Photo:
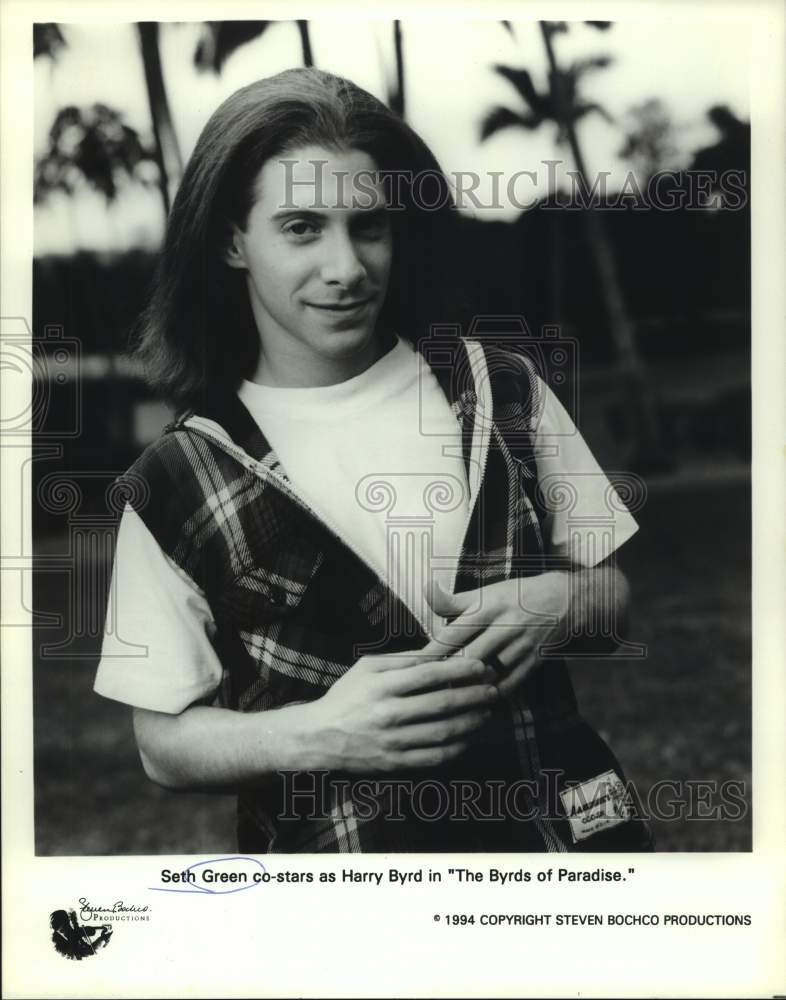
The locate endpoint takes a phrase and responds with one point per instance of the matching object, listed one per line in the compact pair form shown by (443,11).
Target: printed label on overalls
(595,805)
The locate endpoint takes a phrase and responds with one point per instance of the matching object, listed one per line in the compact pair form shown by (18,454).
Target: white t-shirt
(378,457)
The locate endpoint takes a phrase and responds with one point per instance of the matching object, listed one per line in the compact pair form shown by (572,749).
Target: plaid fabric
(295,607)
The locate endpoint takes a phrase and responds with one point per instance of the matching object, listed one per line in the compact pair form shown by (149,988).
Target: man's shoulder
(174,470)
(157,463)
(172,486)
(180,449)
(512,374)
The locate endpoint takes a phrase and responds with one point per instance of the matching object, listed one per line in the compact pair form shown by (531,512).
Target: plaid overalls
(295,606)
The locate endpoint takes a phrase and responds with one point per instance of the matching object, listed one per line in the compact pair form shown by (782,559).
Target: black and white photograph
(384,470)
(550,268)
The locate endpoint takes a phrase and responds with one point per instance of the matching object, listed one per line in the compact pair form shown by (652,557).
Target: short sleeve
(585,517)
(157,651)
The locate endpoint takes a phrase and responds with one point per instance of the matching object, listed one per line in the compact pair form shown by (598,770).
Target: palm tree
(219,40)
(94,146)
(305,43)
(106,144)
(562,105)
(167,148)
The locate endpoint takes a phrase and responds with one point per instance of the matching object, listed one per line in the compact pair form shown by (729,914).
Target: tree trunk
(168,158)
(647,452)
(397,98)
(305,43)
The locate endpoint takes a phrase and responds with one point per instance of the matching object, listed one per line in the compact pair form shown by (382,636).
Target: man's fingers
(431,757)
(438,704)
(382,662)
(441,732)
(439,674)
(454,636)
(449,605)
(507,645)
(515,678)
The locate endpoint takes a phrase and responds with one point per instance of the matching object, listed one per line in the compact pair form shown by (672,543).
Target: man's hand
(397,711)
(512,620)
(385,714)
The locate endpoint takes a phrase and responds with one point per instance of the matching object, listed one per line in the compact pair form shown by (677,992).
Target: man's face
(318,263)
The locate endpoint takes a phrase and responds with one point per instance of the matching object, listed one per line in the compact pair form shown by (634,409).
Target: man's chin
(345,336)
(352,349)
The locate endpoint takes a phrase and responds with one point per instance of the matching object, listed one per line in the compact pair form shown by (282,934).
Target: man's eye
(301,227)
(374,225)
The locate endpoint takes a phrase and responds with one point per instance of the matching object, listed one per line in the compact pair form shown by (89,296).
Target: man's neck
(293,371)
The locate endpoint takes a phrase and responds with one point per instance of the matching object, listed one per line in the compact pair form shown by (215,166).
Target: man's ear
(233,255)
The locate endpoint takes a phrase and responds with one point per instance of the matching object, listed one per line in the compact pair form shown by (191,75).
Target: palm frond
(47,40)
(581,66)
(554,27)
(522,81)
(221,38)
(500,118)
(600,110)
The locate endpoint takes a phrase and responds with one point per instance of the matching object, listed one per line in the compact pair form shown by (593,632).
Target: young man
(324,554)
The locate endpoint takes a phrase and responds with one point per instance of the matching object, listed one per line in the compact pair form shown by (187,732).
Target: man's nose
(342,264)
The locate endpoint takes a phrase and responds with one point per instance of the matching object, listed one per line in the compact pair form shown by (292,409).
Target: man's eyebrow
(284,213)
(377,211)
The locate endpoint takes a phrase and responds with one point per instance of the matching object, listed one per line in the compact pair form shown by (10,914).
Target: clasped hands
(505,624)
(393,712)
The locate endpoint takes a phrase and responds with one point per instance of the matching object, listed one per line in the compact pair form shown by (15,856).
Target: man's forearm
(598,609)
(219,749)
(387,713)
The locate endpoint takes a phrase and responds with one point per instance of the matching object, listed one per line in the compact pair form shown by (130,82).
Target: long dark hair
(198,332)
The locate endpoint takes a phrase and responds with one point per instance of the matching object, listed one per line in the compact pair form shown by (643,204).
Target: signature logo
(88,911)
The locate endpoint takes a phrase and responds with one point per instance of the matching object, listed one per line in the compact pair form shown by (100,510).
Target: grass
(681,714)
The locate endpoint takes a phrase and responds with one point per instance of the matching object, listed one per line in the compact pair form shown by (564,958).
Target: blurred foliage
(649,138)
(48,40)
(562,26)
(563,104)
(732,151)
(560,103)
(93,145)
(220,39)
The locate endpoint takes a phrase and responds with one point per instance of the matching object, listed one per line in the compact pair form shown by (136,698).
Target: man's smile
(341,307)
